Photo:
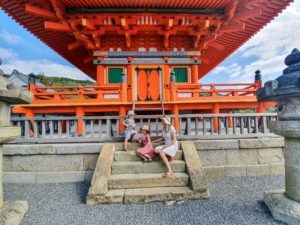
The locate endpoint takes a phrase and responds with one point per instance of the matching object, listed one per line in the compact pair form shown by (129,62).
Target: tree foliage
(62,81)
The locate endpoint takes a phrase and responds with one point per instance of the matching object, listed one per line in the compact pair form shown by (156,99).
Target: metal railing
(106,128)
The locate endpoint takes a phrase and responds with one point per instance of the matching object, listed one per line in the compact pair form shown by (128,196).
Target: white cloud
(266,50)
(11,61)
(10,38)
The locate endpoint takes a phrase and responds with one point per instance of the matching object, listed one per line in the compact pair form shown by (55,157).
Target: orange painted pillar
(195,72)
(122,114)
(123,87)
(216,110)
(129,79)
(166,81)
(230,120)
(261,108)
(100,73)
(79,115)
(29,114)
(172,87)
(175,112)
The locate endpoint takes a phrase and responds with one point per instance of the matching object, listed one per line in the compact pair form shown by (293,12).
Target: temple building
(145,55)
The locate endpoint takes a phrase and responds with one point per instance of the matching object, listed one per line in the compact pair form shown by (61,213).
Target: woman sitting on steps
(171,145)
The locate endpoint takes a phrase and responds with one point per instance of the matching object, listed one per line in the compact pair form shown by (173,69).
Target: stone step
(132,156)
(132,146)
(135,167)
(143,180)
(158,194)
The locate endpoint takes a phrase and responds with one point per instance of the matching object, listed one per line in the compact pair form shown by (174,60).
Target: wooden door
(148,85)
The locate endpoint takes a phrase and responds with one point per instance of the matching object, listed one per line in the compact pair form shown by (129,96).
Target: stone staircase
(121,177)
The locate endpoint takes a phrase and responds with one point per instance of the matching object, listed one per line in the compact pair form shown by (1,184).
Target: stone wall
(49,163)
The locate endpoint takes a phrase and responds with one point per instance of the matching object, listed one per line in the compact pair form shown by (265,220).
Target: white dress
(171,150)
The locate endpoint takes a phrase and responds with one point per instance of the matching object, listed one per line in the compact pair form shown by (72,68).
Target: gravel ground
(233,201)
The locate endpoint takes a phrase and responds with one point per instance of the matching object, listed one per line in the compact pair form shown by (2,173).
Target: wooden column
(216,110)
(172,87)
(129,79)
(79,115)
(123,87)
(195,72)
(230,120)
(166,81)
(175,112)
(122,114)
(29,114)
(100,73)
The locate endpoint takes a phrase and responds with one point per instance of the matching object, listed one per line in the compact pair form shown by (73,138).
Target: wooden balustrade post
(172,86)
(122,114)
(79,115)
(123,87)
(175,112)
(216,110)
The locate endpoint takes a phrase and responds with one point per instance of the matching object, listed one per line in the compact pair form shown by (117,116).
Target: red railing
(59,94)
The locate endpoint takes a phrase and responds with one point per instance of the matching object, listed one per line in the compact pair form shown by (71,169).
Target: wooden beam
(216,45)
(88,60)
(56,26)
(124,24)
(232,28)
(88,24)
(247,13)
(74,45)
(32,10)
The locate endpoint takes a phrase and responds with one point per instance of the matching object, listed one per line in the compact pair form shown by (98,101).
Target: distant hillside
(62,81)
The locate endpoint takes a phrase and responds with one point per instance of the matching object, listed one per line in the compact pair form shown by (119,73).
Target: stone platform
(59,163)
(120,177)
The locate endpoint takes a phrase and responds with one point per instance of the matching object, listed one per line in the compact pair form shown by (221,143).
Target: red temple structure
(144,54)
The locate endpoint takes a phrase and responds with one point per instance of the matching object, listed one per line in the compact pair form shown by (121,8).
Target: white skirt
(170,151)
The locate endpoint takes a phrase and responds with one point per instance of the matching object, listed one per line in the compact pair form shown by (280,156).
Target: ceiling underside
(252,14)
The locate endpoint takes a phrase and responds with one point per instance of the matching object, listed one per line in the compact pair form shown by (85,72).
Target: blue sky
(266,51)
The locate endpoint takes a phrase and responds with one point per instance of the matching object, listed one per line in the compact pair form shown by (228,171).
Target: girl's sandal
(168,174)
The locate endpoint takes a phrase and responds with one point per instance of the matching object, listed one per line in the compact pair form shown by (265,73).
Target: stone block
(216,144)
(36,149)
(7,164)
(194,166)
(19,177)
(277,168)
(261,143)
(89,161)
(270,155)
(213,157)
(28,149)
(259,170)
(144,195)
(120,181)
(13,212)
(102,172)
(60,177)
(215,172)
(111,197)
(235,171)
(47,163)
(134,167)
(78,148)
(242,157)
(88,175)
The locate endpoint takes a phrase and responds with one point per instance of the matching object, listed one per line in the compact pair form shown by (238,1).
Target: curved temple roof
(73,30)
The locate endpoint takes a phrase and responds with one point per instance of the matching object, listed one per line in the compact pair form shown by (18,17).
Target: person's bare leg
(166,161)
(125,145)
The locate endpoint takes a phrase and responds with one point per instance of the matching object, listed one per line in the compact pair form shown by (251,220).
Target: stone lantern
(11,212)
(285,90)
